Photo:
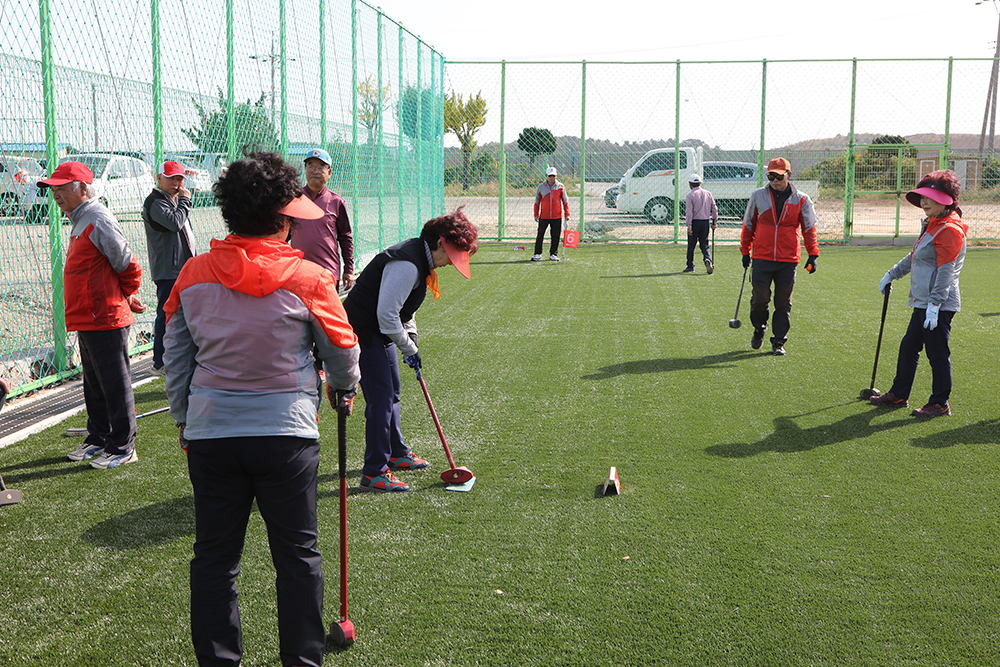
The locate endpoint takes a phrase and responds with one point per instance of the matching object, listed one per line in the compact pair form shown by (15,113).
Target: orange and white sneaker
(385,483)
(933,410)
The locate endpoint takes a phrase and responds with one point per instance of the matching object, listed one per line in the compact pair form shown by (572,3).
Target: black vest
(362,302)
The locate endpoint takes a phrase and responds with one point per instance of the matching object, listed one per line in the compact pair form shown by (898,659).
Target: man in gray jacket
(169,242)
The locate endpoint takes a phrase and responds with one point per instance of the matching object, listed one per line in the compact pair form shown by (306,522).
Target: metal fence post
(60,356)
(677,152)
(378,148)
(354,124)
(420,132)
(502,166)
(850,164)
(399,139)
(322,74)
(946,149)
(583,144)
(763,121)
(231,153)
(284,77)
(157,83)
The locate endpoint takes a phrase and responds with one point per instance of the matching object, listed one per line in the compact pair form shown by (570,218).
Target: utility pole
(990,115)
(271,57)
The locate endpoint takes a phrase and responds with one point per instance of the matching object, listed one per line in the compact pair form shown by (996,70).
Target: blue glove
(931,318)
(810,266)
(885,281)
(746,261)
(342,400)
(413,361)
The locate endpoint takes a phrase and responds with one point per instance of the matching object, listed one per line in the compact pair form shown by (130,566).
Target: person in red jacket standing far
(100,281)
(774,216)
(551,206)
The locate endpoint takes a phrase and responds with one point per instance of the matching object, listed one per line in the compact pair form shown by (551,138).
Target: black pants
(227,474)
(555,224)
(698,236)
(107,390)
(935,343)
(163,288)
(782,274)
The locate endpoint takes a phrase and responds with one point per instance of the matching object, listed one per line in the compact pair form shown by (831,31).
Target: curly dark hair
(252,191)
(454,228)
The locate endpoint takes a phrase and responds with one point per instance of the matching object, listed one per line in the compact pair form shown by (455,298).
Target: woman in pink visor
(381,308)
(934,265)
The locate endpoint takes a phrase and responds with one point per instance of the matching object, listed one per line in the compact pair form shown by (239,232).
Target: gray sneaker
(85,451)
(106,460)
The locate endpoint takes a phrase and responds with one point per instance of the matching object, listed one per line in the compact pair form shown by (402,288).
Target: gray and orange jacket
(548,201)
(100,273)
(935,263)
(242,323)
(778,240)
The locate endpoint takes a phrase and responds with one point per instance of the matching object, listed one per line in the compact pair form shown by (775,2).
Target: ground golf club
(456,475)
(872,391)
(342,631)
(735,322)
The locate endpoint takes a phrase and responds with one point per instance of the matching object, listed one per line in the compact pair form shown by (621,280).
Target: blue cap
(321,155)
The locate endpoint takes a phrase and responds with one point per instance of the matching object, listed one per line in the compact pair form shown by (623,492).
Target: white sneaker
(160,372)
(536,258)
(84,452)
(554,258)
(105,460)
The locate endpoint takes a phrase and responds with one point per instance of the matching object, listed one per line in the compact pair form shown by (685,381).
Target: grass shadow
(724,360)
(789,438)
(989,314)
(46,472)
(986,432)
(154,524)
(647,275)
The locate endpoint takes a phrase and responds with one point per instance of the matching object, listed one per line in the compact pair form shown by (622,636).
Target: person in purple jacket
(701,211)
(319,239)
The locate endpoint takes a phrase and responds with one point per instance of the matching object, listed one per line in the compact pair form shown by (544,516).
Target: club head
(869,393)
(735,324)
(342,633)
(459,475)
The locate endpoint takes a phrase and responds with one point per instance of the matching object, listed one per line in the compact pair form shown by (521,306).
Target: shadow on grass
(154,524)
(724,360)
(989,314)
(789,438)
(47,471)
(986,432)
(647,275)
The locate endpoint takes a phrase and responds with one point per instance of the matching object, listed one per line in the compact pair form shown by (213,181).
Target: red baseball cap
(460,258)
(68,172)
(779,165)
(170,169)
(303,208)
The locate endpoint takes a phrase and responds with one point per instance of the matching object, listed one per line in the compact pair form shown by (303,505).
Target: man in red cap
(100,281)
(166,214)
(771,224)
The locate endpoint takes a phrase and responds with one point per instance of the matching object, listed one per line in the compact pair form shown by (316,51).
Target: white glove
(885,281)
(931,319)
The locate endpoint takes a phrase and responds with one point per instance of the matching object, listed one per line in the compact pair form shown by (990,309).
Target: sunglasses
(771,176)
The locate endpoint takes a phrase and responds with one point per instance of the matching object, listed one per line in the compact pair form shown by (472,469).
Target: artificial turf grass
(768,516)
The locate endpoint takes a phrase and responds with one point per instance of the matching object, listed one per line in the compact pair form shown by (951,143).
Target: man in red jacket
(100,281)
(774,216)
(551,207)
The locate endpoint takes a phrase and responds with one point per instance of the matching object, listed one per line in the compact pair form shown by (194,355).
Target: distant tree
(406,109)
(253,129)
(464,120)
(536,141)
(370,104)
(891,152)
(484,168)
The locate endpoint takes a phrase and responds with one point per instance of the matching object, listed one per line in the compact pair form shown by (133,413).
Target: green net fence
(122,86)
(858,133)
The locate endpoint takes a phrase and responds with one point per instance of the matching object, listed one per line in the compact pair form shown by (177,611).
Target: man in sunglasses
(774,216)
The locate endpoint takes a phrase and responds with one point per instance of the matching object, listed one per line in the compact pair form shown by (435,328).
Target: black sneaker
(709,267)
(778,349)
(758,339)
(689,269)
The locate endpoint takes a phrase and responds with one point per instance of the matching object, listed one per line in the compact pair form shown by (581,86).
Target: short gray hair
(88,188)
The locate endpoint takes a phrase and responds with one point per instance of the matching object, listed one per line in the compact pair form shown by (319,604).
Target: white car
(19,196)
(121,183)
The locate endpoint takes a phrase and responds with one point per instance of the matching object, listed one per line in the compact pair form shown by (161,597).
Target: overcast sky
(705,30)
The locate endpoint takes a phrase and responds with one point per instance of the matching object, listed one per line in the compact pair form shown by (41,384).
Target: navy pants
(227,475)
(554,224)
(935,343)
(698,236)
(163,289)
(107,389)
(380,385)
(782,274)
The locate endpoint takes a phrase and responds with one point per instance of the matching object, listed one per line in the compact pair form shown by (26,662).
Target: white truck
(648,187)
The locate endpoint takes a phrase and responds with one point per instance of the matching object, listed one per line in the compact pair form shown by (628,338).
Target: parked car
(121,183)
(611,195)
(19,196)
